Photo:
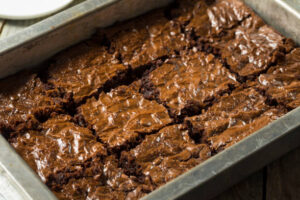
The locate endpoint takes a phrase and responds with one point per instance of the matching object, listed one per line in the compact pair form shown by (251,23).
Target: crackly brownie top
(166,154)
(24,96)
(103,179)
(189,83)
(84,70)
(232,118)
(282,81)
(146,39)
(59,147)
(119,116)
(212,19)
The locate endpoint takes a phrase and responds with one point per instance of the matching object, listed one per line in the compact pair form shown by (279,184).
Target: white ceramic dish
(29,9)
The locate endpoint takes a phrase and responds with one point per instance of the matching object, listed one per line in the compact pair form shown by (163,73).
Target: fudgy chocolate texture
(24,100)
(188,84)
(85,69)
(282,82)
(121,116)
(166,154)
(233,118)
(146,39)
(57,149)
(252,51)
(141,102)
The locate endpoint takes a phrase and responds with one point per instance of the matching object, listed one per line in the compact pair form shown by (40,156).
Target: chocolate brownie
(24,100)
(147,38)
(282,82)
(57,149)
(233,118)
(121,116)
(84,74)
(250,52)
(211,20)
(102,179)
(189,83)
(166,154)
(240,37)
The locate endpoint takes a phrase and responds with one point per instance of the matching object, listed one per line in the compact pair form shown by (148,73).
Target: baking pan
(42,40)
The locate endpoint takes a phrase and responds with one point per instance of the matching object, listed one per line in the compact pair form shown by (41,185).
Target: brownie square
(24,100)
(85,74)
(212,18)
(233,118)
(282,82)
(165,155)
(145,39)
(107,181)
(188,84)
(121,116)
(251,52)
(58,150)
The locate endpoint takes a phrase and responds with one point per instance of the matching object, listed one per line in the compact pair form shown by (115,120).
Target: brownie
(145,39)
(121,116)
(70,146)
(211,18)
(24,100)
(166,154)
(233,118)
(251,52)
(85,69)
(282,82)
(242,39)
(103,179)
(188,84)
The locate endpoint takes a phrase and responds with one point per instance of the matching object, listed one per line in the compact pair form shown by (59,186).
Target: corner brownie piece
(23,97)
(58,150)
(282,82)
(231,29)
(252,51)
(145,39)
(85,69)
(234,117)
(189,83)
(165,155)
(121,116)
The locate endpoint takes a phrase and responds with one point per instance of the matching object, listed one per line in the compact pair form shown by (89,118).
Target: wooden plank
(283,177)
(249,189)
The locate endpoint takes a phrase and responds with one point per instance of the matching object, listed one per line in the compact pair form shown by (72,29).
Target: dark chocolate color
(143,101)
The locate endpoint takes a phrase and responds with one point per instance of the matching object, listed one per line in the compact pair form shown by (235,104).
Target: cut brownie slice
(231,29)
(165,155)
(145,39)
(59,150)
(282,82)
(231,119)
(84,74)
(122,115)
(189,83)
(23,99)
(102,180)
(251,52)
(211,19)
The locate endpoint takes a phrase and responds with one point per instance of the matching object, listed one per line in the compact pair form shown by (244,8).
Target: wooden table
(278,181)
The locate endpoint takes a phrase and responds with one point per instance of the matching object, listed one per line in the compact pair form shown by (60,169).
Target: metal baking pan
(42,40)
